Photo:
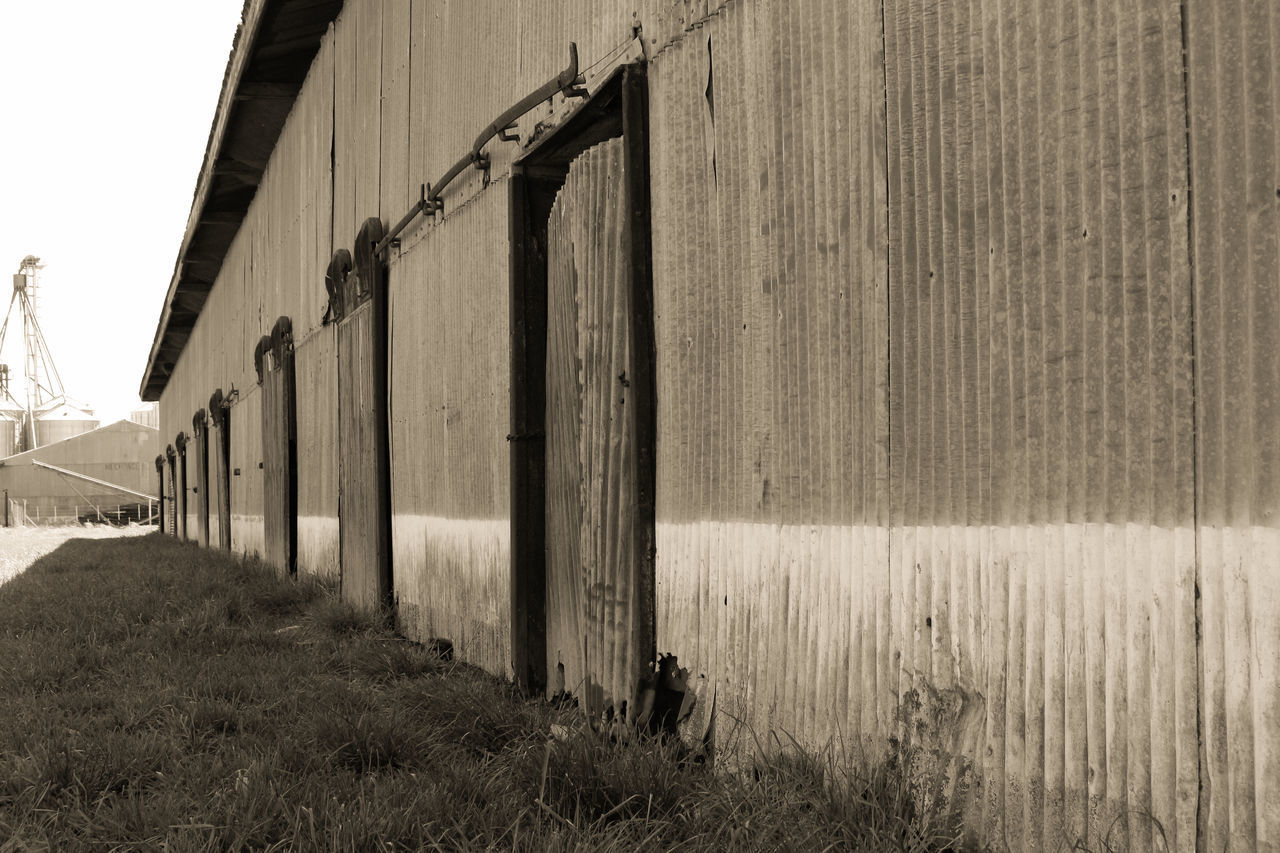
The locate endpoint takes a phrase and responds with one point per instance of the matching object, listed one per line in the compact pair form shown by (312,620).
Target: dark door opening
(220,445)
(200,444)
(273,359)
(583,404)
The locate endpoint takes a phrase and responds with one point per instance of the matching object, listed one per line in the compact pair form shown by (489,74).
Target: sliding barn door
(593,557)
(182,487)
(220,449)
(200,450)
(358,303)
(279,447)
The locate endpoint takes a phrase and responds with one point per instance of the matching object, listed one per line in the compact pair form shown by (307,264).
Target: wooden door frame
(619,108)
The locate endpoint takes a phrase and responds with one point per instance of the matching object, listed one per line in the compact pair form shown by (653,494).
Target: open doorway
(273,359)
(583,404)
(219,445)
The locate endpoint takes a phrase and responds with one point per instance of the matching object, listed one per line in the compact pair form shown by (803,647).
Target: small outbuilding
(106,474)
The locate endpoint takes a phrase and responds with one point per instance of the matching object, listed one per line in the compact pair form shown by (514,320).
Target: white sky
(105,109)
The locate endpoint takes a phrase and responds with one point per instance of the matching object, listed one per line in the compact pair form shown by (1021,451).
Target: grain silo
(9,426)
(63,421)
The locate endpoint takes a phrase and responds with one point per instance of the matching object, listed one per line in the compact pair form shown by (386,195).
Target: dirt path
(22,546)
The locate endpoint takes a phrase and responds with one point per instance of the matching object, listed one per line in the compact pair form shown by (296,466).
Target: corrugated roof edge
(242,47)
(250,17)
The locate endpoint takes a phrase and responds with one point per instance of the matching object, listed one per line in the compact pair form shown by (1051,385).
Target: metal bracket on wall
(568,82)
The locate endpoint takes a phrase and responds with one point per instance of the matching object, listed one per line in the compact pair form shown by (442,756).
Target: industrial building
(103,475)
(847,351)
(41,412)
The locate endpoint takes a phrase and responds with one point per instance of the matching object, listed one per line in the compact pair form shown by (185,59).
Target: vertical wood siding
(276,266)
(1235,180)
(591,496)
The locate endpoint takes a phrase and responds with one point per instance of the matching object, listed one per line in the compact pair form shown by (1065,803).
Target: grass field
(154,695)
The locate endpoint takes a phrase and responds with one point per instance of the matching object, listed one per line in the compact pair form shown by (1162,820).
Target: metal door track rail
(568,82)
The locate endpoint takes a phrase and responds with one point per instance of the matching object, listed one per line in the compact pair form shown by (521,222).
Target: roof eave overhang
(270,57)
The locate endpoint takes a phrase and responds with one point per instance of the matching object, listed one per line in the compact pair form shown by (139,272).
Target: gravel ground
(22,546)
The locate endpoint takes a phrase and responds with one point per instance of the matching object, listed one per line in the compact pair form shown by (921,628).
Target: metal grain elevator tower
(43,391)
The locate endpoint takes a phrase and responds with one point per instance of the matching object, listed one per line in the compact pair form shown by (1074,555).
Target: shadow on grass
(159,695)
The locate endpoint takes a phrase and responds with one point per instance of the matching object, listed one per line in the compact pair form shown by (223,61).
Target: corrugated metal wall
(315,361)
(954,230)
(769,293)
(1043,546)
(1235,179)
(276,266)
(449,392)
